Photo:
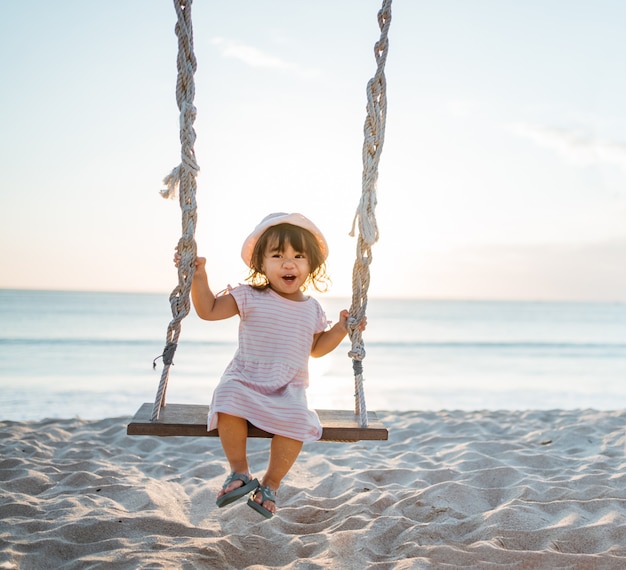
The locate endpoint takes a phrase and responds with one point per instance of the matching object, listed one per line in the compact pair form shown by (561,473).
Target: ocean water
(89,355)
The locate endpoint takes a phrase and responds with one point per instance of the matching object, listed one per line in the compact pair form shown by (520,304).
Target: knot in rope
(167,356)
(357,353)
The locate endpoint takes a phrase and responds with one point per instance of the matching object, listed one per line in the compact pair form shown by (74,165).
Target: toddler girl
(280,327)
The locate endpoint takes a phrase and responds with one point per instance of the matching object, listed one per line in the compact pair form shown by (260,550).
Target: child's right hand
(200,262)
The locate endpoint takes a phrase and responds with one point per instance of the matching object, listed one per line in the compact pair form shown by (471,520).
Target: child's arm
(327,341)
(207,305)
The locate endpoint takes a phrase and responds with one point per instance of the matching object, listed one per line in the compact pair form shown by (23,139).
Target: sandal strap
(267,493)
(243,477)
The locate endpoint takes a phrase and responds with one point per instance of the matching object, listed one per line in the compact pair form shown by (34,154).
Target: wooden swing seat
(191,420)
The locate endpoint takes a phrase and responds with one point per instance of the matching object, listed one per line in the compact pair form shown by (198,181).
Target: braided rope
(374,131)
(182,179)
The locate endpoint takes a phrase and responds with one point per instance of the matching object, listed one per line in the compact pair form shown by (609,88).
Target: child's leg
(233,433)
(283,454)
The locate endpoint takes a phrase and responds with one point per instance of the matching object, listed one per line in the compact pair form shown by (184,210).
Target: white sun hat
(281,218)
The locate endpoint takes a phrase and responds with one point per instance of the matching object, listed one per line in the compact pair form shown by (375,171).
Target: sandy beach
(494,489)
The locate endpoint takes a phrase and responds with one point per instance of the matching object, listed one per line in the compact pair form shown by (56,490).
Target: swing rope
(374,131)
(182,179)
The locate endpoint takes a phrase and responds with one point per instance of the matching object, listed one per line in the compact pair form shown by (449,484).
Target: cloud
(574,145)
(258,59)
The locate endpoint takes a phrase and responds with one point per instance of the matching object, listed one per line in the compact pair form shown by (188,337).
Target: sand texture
(515,490)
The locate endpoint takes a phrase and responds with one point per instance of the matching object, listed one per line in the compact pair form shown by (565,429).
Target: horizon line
(347,296)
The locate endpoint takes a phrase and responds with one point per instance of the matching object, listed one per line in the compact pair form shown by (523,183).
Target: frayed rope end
(172,183)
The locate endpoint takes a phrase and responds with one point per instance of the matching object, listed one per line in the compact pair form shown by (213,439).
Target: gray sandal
(267,494)
(248,485)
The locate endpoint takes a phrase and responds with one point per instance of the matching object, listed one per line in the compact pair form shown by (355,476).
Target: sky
(503,173)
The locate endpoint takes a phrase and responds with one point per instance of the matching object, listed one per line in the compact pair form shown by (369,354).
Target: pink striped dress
(267,379)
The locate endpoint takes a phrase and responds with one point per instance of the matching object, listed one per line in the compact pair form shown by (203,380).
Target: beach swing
(159,419)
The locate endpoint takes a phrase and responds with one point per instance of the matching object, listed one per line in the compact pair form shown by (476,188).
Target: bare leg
(233,433)
(283,454)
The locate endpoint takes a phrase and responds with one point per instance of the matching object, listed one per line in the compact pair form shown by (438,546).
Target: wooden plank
(191,420)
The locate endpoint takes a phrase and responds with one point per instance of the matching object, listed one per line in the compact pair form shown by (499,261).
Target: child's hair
(301,240)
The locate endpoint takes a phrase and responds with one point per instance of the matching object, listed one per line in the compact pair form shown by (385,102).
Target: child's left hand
(345,315)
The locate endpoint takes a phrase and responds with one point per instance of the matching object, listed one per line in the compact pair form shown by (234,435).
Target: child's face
(286,270)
